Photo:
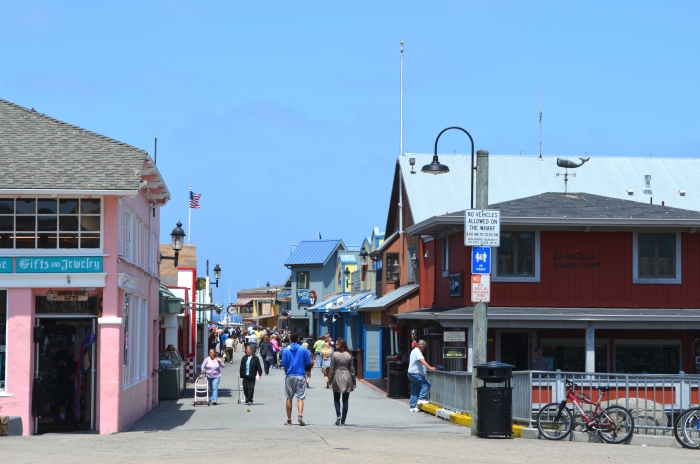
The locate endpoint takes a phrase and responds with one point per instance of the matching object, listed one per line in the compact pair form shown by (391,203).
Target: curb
(635,440)
(462,419)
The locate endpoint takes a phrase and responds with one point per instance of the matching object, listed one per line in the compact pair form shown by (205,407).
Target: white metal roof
(512,177)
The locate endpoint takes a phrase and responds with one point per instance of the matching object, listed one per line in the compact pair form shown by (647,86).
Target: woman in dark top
(249,371)
(267,353)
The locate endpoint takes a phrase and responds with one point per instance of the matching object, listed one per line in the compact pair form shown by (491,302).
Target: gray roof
(388,299)
(512,177)
(43,153)
(558,209)
(313,252)
(559,314)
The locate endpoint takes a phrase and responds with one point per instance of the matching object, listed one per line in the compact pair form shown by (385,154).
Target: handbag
(269,358)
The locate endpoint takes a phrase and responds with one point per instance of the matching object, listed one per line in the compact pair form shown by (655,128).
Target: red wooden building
(600,284)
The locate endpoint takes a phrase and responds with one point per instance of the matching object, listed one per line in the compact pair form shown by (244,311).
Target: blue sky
(285,115)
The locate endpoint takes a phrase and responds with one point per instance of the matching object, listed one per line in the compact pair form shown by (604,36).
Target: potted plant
(4,420)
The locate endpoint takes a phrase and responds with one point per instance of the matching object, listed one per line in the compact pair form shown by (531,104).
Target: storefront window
(127,304)
(572,357)
(49,223)
(657,255)
(516,255)
(303,280)
(644,358)
(3,335)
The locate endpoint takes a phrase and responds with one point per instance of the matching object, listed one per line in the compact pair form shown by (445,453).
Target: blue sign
(59,264)
(481,260)
(306,297)
(5,265)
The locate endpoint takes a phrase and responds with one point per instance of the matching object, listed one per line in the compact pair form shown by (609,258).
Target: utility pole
(480,309)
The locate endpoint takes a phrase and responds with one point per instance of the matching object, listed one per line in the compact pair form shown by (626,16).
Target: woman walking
(266,353)
(211,368)
(326,352)
(341,377)
(275,350)
(250,371)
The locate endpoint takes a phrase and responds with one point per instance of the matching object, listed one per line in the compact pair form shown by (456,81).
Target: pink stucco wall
(116,407)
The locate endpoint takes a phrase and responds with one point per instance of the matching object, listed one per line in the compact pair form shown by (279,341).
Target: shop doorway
(65,367)
(515,348)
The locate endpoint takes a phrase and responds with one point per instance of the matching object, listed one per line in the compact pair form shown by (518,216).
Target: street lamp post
(178,240)
(217,274)
(436,168)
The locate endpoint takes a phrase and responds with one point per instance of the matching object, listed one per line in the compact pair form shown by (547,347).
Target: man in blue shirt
(294,360)
(222,342)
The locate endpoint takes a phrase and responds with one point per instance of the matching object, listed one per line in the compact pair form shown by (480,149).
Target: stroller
(241,393)
(201,391)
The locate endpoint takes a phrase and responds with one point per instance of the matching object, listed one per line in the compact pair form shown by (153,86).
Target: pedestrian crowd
(270,348)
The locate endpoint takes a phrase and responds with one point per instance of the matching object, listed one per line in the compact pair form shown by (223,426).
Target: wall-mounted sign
(456,284)
(375,317)
(284,294)
(306,297)
(481,288)
(59,264)
(453,336)
(5,265)
(482,227)
(67,295)
(454,352)
(481,260)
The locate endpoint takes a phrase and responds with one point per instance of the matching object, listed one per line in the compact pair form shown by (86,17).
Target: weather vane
(567,164)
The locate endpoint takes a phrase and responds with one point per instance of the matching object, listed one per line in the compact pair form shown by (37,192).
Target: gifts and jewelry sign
(481,288)
(58,264)
(482,227)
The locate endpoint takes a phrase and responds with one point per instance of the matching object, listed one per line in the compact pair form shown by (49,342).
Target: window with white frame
(656,258)
(50,223)
(144,338)
(127,352)
(3,338)
(128,235)
(136,337)
(518,257)
(120,238)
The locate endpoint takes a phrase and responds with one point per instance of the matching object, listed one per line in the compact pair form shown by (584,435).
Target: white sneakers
(413,409)
(422,402)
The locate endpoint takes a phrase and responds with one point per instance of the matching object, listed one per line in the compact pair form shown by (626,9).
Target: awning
(241,302)
(255,318)
(388,299)
(557,317)
(328,302)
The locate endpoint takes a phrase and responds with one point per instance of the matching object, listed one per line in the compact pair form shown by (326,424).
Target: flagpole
(189,217)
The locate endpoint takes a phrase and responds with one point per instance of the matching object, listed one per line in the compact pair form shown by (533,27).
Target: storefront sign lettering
(573,260)
(453,336)
(67,295)
(306,297)
(5,265)
(59,264)
(454,352)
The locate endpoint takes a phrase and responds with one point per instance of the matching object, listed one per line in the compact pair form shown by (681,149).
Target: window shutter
(120,239)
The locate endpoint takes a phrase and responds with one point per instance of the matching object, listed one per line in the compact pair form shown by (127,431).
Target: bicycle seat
(604,389)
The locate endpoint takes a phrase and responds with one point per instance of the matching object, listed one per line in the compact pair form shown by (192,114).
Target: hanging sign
(482,227)
(481,260)
(453,336)
(454,352)
(67,295)
(481,288)
(306,297)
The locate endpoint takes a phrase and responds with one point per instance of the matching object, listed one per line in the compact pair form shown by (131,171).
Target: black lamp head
(435,167)
(178,237)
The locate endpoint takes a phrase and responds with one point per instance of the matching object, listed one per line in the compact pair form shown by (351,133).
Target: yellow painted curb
(461,419)
(518,430)
(430,408)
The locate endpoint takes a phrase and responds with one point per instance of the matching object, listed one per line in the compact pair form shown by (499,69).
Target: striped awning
(241,302)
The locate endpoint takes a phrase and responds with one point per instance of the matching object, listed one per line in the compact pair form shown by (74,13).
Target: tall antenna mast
(541,125)
(401,105)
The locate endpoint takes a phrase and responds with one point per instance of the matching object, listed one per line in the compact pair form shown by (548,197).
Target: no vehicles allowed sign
(482,227)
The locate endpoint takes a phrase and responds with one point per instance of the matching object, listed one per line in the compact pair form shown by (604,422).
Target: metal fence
(655,401)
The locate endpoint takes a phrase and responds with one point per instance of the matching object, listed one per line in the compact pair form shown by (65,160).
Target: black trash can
(495,403)
(398,380)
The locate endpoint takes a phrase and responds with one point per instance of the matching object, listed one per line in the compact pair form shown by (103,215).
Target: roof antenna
(540,158)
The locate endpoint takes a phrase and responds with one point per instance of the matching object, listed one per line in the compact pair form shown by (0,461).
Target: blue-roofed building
(313,264)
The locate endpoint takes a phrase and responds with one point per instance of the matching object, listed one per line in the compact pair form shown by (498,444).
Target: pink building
(79,281)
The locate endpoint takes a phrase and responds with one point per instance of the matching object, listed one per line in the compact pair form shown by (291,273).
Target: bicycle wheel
(554,424)
(687,429)
(616,424)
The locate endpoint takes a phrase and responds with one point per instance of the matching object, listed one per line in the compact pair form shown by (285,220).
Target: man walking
(420,385)
(294,360)
(230,342)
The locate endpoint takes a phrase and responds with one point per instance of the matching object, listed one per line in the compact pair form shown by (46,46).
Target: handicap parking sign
(481,260)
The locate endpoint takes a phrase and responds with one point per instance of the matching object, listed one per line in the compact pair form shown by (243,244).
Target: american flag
(194,199)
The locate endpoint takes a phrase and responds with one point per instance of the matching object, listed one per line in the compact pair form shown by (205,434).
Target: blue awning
(347,304)
(327,303)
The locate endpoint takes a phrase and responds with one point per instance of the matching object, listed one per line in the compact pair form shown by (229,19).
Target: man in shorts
(294,360)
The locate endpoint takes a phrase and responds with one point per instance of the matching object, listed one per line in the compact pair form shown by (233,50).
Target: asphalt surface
(378,429)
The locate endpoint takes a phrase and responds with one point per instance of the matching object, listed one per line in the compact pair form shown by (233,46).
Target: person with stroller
(211,369)
(250,371)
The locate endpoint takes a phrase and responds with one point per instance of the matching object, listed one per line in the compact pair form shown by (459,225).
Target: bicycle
(614,424)
(686,429)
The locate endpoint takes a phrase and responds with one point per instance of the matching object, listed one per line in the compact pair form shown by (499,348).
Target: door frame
(531,342)
(372,374)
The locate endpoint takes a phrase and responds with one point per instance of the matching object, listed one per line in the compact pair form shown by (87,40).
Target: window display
(643,358)
(572,358)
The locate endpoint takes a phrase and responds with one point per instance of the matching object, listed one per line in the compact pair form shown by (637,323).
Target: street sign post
(481,288)
(481,260)
(482,227)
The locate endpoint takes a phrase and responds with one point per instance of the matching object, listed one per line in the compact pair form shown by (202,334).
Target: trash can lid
(495,365)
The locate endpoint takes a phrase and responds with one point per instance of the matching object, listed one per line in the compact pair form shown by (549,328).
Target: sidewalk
(368,408)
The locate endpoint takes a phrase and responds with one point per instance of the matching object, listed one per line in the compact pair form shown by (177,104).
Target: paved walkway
(379,430)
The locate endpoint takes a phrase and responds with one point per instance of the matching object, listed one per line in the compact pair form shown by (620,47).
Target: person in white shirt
(229,349)
(420,386)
